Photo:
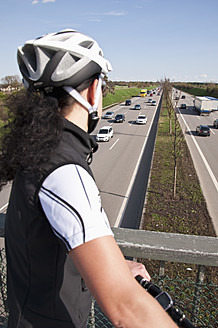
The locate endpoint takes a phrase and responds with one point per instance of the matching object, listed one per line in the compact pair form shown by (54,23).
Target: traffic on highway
(122,134)
(116,162)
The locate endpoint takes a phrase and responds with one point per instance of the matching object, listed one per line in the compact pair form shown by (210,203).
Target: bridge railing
(196,298)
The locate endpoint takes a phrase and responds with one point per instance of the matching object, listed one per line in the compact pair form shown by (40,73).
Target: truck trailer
(214,103)
(205,105)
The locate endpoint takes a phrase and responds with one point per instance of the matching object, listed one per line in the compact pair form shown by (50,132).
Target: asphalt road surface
(116,163)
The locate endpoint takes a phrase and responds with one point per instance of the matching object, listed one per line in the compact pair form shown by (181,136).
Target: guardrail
(197,299)
(171,247)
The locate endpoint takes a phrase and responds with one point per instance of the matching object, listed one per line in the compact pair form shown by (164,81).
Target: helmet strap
(93,114)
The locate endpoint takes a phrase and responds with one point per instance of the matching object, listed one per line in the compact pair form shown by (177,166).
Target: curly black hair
(33,130)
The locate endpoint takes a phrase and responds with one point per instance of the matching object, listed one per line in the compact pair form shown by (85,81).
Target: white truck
(205,105)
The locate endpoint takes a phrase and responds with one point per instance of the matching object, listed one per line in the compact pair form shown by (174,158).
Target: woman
(59,246)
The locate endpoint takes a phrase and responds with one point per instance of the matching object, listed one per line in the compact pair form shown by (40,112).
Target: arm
(99,260)
(106,273)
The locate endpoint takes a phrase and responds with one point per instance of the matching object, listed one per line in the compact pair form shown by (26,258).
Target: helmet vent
(62,36)
(75,58)
(30,55)
(49,53)
(86,44)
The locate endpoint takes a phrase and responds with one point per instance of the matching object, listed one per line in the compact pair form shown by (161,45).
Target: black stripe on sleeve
(69,207)
(83,186)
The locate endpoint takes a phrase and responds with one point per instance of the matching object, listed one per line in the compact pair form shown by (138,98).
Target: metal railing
(197,298)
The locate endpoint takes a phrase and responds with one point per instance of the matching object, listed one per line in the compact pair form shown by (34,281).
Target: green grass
(2,95)
(196,91)
(1,129)
(204,90)
(121,95)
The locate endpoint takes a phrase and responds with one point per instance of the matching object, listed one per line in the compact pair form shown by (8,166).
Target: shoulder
(73,184)
(69,177)
(72,204)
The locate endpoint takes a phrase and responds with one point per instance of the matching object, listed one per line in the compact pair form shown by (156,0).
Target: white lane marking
(3,207)
(133,177)
(114,144)
(202,155)
(212,131)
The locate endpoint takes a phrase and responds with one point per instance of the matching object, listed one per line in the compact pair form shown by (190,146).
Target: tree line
(12,81)
(207,89)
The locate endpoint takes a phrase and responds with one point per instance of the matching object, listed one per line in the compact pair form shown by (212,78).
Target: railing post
(162,268)
(197,293)
(161,273)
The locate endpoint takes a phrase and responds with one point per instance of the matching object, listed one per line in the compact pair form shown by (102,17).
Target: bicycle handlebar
(166,302)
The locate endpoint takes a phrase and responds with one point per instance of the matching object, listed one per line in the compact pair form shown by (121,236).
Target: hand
(138,269)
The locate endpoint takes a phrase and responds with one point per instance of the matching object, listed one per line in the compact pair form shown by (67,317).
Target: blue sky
(145,40)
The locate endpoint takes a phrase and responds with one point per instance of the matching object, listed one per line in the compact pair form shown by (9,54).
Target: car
(153,103)
(177,98)
(105,133)
(137,106)
(158,93)
(119,118)
(215,123)
(109,115)
(183,106)
(151,94)
(141,119)
(128,102)
(183,97)
(203,130)
(149,100)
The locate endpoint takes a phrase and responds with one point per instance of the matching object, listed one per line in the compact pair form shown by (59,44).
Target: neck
(78,115)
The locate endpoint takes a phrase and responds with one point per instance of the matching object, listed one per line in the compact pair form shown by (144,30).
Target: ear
(91,92)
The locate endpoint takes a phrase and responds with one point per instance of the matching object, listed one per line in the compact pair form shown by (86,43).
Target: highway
(203,151)
(116,163)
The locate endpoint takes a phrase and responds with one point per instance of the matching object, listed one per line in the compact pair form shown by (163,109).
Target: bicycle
(166,302)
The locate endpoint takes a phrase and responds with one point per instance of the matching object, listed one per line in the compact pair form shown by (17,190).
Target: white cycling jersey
(71,202)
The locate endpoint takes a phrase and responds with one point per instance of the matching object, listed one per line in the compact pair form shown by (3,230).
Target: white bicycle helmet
(65,58)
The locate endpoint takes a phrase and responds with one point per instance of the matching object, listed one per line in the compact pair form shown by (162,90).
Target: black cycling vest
(45,289)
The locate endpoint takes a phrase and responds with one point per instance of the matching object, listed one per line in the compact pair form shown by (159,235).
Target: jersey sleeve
(71,202)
